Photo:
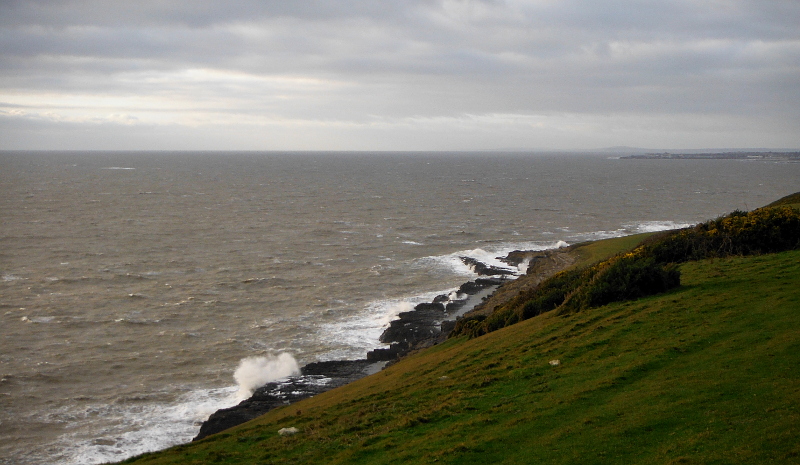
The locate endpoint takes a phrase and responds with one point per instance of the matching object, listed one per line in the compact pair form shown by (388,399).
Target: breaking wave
(254,372)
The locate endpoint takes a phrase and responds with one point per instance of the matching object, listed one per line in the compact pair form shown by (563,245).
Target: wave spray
(254,372)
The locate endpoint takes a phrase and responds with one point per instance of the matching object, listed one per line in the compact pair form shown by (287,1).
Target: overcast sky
(399,75)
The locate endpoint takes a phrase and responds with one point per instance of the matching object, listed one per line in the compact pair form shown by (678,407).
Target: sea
(134,284)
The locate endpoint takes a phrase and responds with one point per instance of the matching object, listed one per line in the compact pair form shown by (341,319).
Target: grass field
(706,373)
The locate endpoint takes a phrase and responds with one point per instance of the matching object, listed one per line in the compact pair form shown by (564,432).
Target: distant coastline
(768,156)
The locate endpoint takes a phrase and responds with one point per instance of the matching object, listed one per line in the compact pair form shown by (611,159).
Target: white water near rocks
(134,283)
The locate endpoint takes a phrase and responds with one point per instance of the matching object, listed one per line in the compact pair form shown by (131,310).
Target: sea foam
(489,255)
(254,372)
(135,428)
(359,333)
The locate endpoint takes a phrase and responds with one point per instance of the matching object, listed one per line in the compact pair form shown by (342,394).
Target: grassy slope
(792,200)
(517,292)
(590,253)
(707,373)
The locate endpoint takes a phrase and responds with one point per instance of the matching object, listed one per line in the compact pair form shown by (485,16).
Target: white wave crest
(129,429)
(452,262)
(654,226)
(359,333)
(393,312)
(254,372)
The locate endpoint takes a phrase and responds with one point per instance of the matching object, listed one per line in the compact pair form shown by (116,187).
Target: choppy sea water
(132,284)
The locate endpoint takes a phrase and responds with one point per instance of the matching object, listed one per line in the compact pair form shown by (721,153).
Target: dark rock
(483,269)
(423,307)
(423,327)
(454,305)
(470,287)
(409,332)
(474,287)
(489,282)
(315,378)
(447,326)
(536,261)
(411,327)
(393,352)
(226,418)
(516,257)
(335,368)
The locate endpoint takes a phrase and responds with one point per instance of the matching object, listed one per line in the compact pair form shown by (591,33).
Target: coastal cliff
(702,373)
(427,325)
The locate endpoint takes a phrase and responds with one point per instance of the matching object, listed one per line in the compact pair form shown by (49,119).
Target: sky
(399,75)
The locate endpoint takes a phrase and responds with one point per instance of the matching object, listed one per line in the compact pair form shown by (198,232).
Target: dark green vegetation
(792,200)
(706,372)
(650,268)
(589,253)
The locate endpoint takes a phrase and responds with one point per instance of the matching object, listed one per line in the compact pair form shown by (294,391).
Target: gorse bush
(650,268)
(544,298)
(766,230)
(553,294)
(625,278)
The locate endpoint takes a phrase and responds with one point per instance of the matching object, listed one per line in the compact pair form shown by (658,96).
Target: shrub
(471,326)
(765,230)
(650,268)
(551,293)
(626,278)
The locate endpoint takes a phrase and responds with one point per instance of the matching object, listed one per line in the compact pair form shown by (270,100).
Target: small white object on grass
(555,363)
(288,431)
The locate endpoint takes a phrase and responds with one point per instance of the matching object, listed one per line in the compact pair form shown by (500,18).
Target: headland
(701,373)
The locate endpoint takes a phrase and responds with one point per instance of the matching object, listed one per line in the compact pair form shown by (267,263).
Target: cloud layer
(403,75)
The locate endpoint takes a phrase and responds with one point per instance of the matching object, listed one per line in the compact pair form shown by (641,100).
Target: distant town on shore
(771,156)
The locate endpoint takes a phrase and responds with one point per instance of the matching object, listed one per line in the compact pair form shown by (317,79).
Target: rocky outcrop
(428,324)
(313,379)
(473,287)
(410,327)
(541,265)
(482,269)
(516,257)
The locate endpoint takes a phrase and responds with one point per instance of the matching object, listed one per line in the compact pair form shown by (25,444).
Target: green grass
(515,293)
(706,373)
(792,200)
(590,253)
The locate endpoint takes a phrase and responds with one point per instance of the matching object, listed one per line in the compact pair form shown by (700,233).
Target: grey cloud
(394,60)
(309,29)
(197,13)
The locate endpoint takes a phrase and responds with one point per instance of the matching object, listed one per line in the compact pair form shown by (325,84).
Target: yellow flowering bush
(650,268)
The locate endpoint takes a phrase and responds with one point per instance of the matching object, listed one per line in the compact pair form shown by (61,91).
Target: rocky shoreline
(427,325)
